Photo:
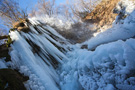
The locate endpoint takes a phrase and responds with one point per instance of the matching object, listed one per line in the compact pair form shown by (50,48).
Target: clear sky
(27,3)
(60,1)
(30,3)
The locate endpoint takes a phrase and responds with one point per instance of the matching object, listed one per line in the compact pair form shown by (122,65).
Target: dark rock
(84,47)
(11,80)
(4,52)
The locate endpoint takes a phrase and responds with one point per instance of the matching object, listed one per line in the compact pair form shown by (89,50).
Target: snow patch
(2,63)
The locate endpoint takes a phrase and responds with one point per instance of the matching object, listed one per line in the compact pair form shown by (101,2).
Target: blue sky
(31,3)
(60,1)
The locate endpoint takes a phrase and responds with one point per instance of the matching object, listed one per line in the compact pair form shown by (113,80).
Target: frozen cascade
(53,64)
(37,54)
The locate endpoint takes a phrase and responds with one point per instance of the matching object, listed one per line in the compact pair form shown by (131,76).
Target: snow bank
(2,63)
(121,31)
(109,67)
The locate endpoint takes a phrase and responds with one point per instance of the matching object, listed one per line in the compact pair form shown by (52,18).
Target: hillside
(103,14)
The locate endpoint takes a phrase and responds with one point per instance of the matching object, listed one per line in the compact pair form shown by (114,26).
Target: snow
(121,31)
(103,69)
(111,65)
(52,63)
(109,87)
(129,4)
(57,20)
(2,63)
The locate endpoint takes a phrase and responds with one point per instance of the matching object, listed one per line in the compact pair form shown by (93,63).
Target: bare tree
(63,10)
(46,7)
(32,12)
(10,12)
(82,7)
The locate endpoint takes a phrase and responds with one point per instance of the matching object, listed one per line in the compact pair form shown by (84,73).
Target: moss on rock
(9,41)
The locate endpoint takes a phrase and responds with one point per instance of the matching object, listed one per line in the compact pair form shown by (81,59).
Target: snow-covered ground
(109,67)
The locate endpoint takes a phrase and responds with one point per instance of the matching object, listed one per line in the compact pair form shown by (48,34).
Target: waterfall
(104,62)
(37,54)
(52,63)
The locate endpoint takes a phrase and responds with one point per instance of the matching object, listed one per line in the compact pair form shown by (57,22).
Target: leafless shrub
(32,12)
(82,7)
(10,12)
(46,7)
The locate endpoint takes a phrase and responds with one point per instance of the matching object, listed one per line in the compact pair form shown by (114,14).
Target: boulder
(11,80)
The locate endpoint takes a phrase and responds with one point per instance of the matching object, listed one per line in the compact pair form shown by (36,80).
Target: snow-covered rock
(109,67)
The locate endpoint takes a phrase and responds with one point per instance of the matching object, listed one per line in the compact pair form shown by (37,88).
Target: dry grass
(103,13)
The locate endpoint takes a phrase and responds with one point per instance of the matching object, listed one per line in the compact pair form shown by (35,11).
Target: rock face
(11,80)
(103,13)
